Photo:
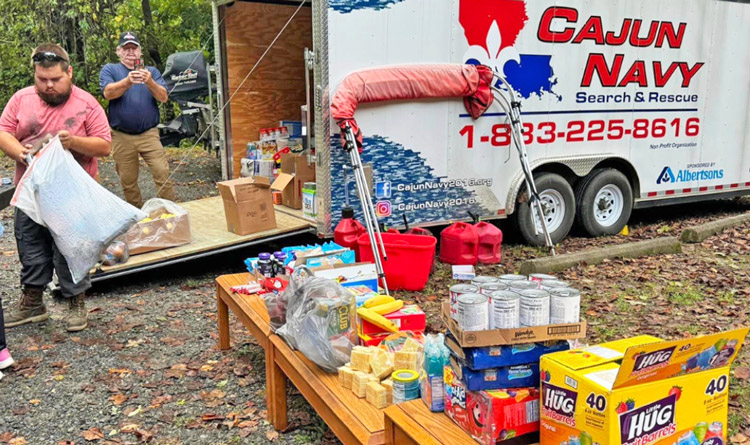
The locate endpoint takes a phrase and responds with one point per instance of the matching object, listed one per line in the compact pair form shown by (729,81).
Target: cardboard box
(408,318)
(501,356)
(295,171)
(641,391)
(497,337)
(248,205)
(517,376)
(350,275)
(508,416)
(158,234)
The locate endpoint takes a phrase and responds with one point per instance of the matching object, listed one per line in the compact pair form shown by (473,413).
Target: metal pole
(368,211)
(512,108)
(226,169)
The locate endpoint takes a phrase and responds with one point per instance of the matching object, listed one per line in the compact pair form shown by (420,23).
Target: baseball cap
(128,37)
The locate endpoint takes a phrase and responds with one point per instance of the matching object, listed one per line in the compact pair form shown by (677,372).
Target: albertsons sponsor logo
(690,174)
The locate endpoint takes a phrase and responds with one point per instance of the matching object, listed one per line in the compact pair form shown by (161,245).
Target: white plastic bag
(82,216)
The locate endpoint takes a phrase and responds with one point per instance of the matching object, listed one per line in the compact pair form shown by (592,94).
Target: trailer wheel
(559,206)
(605,201)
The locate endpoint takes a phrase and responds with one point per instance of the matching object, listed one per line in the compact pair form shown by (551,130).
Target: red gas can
(459,244)
(348,230)
(490,243)
(418,231)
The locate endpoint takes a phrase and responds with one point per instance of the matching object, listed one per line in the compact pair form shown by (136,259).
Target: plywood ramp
(276,89)
(209,230)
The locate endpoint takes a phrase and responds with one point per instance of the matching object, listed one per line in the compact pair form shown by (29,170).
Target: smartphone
(139,64)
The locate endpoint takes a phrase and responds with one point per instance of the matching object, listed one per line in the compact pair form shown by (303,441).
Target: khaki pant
(126,149)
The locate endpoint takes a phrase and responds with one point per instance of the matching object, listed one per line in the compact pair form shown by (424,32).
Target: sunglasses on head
(47,56)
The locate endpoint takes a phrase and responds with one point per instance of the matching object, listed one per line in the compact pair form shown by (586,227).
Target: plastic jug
(459,244)
(490,243)
(348,230)
(418,231)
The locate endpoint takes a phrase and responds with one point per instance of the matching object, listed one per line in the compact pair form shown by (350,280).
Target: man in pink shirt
(53,106)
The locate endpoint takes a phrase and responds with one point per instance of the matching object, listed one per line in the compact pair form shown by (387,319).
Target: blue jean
(40,257)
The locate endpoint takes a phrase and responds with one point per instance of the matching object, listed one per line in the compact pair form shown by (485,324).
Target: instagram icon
(383,209)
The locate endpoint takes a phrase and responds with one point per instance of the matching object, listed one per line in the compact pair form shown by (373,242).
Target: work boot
(77,319)
(30,308)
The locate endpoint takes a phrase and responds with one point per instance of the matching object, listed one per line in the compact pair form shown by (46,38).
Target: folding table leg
(275,390)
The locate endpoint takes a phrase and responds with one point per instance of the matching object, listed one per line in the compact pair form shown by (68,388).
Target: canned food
(456,291)
(483,279)
(473,312)
(534,307)
(565,305)
(541,277)
(518,286)
(512,277)
(489,288)
(553,284)
(505,310)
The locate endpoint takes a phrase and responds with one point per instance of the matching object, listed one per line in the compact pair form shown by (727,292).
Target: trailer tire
(558,196)
(604,199)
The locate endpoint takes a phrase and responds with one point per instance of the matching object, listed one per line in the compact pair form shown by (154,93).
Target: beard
(54,99)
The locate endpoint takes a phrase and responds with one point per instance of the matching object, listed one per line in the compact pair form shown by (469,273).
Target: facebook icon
(383,190)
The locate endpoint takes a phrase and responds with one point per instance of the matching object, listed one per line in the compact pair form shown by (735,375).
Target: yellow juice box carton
(639,391)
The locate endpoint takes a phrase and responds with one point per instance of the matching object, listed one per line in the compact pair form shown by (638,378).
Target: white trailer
(627,104)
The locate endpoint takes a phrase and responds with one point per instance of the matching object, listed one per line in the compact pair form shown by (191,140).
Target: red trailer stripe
(650,194)
(670,192)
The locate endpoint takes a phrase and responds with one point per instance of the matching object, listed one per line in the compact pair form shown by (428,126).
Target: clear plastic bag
(316,316)
(167,225)
(82,216)
(116,253)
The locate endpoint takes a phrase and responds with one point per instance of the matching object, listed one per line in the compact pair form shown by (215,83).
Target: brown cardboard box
(158,234)
(498,337)
(248,205)
(295,171)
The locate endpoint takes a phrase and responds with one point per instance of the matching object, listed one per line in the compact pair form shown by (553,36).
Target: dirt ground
(147,369)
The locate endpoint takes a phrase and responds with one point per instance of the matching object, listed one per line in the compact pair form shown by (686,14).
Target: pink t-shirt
(27,117)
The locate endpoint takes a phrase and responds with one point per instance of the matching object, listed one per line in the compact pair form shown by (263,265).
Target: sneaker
(77,319)
(30,308)
(6,361)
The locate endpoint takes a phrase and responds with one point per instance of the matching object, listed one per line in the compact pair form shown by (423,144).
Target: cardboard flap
(592,356)
(664,360)
(282,181)
(242,189)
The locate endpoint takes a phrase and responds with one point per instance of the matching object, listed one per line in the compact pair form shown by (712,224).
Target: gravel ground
(147,369)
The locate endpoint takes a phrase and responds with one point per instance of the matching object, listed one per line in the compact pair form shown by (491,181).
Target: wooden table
(412,423)
(352,419)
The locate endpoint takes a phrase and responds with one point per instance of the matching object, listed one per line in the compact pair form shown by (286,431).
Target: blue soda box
(518,376)
(502,356)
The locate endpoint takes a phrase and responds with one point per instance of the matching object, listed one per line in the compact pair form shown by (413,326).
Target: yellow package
(640,391)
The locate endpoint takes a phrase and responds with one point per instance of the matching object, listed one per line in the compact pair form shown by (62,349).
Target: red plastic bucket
(409,262)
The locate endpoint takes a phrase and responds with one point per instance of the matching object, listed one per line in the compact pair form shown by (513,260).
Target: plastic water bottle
(436,357)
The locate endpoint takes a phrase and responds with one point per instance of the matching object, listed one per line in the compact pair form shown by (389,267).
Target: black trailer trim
(103,276)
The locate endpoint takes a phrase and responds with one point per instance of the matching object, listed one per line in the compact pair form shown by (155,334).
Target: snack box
(640,390)
(507,416)
(517,376)
(408,318)
(500,356)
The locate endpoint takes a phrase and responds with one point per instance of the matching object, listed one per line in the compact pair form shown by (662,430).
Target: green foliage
(88,30)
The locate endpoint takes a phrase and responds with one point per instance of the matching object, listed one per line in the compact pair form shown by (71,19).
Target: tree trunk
(153,49)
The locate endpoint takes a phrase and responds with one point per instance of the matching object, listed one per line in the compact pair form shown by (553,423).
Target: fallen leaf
(35,401)
(272,435)
(129,428)
(742,372)
(17,441)
(118,399)
(210,417)
(739,438)
(93,434)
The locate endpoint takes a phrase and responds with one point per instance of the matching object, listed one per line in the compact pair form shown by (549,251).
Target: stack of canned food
(514,301)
